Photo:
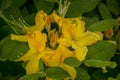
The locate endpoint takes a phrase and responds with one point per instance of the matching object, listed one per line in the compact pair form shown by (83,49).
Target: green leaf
(30,19)
(114,6)
(89,21)
(56,73)
(53,1)
(19,3)
(5,31)
(103,25)
(4,4)
(12,50)
(72,61)
(34,76)
(1,77)
(44,5)
(12,11)
(102,50)
(78,7)
(111,78)
(82,74)
(104,11)
(97,63)
(118,76)
(41,65)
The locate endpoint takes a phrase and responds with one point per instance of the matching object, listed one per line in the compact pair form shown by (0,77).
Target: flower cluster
(54,38)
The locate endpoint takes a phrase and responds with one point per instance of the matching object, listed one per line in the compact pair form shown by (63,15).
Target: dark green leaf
(82,74)
(19,3)
(12,50)
(78,7)
(5,31)
(41,65)
(104,11)
(53,1)
(102,50)
(56,73)
(30,19)
(72,61)
(1,78)
(89,21)
(97,63)
(12,11)
(114,6)
(34,76)
(4,4)
(103,25)
(44,5)
(118,76)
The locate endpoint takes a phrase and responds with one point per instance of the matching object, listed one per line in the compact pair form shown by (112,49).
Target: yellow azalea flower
(40,20)
(37,42)
(57,58)
(74,35)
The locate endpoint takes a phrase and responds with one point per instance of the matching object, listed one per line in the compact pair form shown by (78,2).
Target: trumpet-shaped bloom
(57,58)
(37,42)
(74,35)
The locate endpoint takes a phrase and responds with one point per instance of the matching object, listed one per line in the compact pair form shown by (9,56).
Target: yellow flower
(37,42)
(74,35)
(40,20)
(57,58)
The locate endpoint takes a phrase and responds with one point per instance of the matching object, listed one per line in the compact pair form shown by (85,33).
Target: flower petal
(70,70)
(27,55)
(80,52)
(33,64)
(21,38)
(80,27)
(88,38)
(37,40)
(40,19)
(68,29)
(64,41)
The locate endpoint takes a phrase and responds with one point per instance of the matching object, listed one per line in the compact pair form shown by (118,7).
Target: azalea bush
(59,39)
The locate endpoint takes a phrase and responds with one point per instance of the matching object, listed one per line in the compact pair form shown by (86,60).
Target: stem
(8,22)
(60,7)
(65,9)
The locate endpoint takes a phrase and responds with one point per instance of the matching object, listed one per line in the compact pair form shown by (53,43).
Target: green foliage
(82,74)
(56,73)
(12,50)
(71,61)
(4,4)
(99,15)
(102,50)
(43,5)
(90,21)
(114,6)
(100,63)
(104,11)
(103,25)
(1,78)
(34,76)
(78,7)
(19,3)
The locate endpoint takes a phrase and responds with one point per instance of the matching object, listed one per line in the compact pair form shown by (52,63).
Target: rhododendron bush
(59,39)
